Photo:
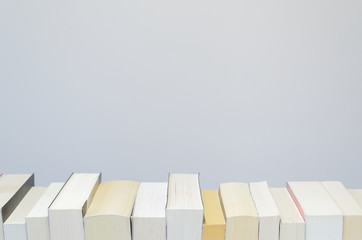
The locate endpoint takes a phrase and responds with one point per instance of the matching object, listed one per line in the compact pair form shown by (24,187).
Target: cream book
(292,225)
(268,212)
(109,216)
(13,188)
(214,222)
(352,212)
(14,226)
(67,211)
(184,211)
(37,223)
(323,219)
(239,211)
(357,195)
(149,212)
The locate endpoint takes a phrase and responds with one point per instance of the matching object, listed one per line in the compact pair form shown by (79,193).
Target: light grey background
(238,90)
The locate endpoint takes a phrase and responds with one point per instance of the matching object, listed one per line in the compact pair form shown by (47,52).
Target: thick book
(292,225)
(109,215)
(37,222)
(15,225)
(323,219)
(184,211)
(13,188)
(214,222)
(67,211)
(268,212)
(239,211)
(357,195)
(149,216)
(352,212)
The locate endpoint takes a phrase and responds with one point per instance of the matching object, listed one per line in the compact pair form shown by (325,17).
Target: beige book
(323,219)
(149,212)
(67,211)
(184,211)
(37,222)
(268,212)
(239,211)
(108,217)
(357,195)
(14,226)
(352,212)
(13,188)
(292,225)
(214,221)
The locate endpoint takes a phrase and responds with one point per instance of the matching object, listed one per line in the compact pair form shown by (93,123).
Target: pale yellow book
(292,225)
(109,215)
(13,187)
(239,211)
(214,222)
(357,195)
(352,213)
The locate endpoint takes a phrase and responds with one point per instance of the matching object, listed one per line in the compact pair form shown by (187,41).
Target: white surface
(188,86)
(269,217)
(151,200)
(37,221)
(66,212)
(184,209)
(15,225)
(323,219)
(149,212)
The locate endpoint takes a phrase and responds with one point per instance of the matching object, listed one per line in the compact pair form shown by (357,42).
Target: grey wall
(239,90)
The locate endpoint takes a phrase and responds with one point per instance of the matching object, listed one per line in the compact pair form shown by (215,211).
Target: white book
(149,212)
(292,225)
(240,212)
(13,188)
(352,212)
(268,212)
(37,221)
(184,211)
(14,226)
(67,211)
(323,219)
(357,195)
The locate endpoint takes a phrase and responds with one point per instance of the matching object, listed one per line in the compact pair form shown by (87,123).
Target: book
(109,215)
(268,212)
(352,212)
(149,216)
(14,226)
(323,219)
(292,225)
(214,222)
(67,210)
(184,210)
(357,195)
(239,211)
(13,187)
(37,223)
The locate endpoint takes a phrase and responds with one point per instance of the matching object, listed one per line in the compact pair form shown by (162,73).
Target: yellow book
(214,222)
(109,215)
(240,212)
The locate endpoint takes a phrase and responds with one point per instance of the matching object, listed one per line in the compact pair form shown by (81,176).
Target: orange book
(214,221)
